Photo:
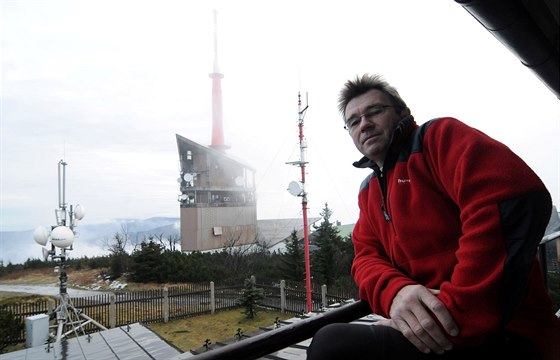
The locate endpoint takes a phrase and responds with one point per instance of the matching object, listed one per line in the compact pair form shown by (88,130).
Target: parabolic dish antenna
(62,236)
(46,253)
(239,181)
(188,177)
(41,235)
(79,212)
(295,188)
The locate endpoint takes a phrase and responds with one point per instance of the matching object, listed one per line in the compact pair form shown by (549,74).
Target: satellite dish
(45,253)
(295,188)
(79,212)
(239,181)
(41,235)
(183,196)
(62,236)
(191,196)
(188,177)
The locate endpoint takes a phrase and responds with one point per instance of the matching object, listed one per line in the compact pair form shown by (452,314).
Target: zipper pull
(385,214)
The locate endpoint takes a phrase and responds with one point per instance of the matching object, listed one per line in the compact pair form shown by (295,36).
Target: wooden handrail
(277,339)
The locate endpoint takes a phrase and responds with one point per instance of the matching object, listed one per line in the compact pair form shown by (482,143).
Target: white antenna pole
(61,211)
(62,236)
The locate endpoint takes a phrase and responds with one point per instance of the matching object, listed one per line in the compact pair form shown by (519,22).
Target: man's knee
(327,342)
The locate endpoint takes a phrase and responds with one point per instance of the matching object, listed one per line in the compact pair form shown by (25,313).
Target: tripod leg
(59,331)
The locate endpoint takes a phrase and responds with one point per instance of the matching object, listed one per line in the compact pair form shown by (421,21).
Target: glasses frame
(372,111)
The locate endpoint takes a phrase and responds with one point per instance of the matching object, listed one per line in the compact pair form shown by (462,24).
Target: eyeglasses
(371,113)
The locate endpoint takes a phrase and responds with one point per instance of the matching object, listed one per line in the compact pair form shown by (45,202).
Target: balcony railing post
(324,295)
(283,296)
(165,304)
(212,298)
(50,306)
(112,310)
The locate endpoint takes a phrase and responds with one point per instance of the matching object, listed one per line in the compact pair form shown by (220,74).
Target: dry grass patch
(48,276)
(21,298)
(191,333)
(30,277)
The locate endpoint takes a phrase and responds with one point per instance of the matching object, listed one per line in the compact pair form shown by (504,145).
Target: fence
(175,302)
(288,296)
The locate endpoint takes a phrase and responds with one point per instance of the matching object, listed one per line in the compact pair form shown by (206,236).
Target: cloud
(107,85)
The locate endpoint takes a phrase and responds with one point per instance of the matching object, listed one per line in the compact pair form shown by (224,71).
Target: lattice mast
(303,194)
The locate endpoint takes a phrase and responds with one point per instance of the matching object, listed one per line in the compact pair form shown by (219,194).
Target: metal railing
(280,338)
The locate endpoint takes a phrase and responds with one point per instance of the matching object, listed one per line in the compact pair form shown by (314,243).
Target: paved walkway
(49,290)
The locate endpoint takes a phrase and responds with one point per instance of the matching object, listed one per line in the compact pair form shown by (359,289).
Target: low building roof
(133,341)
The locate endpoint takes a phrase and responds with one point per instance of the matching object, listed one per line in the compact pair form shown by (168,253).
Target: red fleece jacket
(458,211)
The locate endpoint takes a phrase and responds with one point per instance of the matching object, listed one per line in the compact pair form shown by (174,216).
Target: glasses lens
(372,112)
(352,122)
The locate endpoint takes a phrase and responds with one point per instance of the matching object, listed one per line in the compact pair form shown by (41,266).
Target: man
(446,241)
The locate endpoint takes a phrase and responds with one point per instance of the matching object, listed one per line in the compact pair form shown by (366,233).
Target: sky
(106,85)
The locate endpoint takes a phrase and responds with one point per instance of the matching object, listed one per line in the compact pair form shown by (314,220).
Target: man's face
(370,119)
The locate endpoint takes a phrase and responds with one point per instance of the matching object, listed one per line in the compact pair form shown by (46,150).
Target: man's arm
(504,208)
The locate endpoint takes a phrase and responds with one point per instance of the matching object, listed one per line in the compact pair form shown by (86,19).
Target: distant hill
(18,246)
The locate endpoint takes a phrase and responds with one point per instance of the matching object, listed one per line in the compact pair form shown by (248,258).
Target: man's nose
(365,123)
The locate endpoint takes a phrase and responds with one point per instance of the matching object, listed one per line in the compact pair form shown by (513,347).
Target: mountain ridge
(91,239)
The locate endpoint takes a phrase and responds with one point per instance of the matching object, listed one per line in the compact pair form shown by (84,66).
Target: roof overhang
(528,28)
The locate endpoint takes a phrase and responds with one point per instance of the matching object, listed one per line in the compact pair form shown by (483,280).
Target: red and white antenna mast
(216,76)
(298,189)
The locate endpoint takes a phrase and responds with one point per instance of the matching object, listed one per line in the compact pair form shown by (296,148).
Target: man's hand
(413,313)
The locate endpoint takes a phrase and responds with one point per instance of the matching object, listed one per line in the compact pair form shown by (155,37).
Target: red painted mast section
(216,76)
(302,147)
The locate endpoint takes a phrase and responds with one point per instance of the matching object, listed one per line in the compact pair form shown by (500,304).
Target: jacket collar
(405,126)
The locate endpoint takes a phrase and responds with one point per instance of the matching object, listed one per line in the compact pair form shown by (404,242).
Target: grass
(191,333)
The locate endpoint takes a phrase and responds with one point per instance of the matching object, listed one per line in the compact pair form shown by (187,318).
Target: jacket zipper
(383,185)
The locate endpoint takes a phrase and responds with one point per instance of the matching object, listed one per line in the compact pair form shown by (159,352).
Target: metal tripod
(69,320)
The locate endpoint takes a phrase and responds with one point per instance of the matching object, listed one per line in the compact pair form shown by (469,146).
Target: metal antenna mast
(62,237)
(297,190)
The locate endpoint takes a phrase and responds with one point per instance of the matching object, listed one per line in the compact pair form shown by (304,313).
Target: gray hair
(361,85)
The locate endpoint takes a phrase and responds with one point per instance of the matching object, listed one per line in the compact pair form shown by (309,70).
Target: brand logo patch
(403,181)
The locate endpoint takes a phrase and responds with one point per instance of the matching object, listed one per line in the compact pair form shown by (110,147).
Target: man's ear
(405,112)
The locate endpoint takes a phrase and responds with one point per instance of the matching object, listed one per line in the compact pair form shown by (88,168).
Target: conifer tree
(330,244)
(250,297)
(293,261)
(147,265)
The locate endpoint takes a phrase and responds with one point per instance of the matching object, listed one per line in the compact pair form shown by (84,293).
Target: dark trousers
(372,342)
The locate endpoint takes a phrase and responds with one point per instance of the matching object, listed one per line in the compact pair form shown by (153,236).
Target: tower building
(217,200)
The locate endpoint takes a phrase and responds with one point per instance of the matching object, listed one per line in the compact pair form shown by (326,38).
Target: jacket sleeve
(377,278)
(504,209)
